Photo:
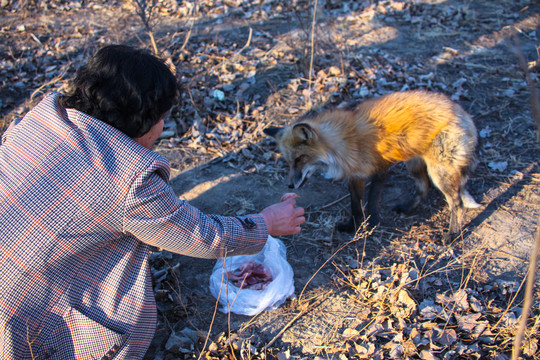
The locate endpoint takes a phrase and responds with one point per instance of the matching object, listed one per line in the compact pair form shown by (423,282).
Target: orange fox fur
(434,135)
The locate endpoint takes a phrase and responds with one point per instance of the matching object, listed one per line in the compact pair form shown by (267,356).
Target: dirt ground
(257,56)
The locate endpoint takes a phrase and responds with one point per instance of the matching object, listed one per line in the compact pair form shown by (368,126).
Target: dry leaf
(396,350)
(362,351)
(446,337)
(531,347)
(428,309)
(408,304)
(350,333)
(468,322)
(426,355)
(285,355)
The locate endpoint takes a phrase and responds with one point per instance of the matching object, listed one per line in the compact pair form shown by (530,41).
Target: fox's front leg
(374,197)
(356,188)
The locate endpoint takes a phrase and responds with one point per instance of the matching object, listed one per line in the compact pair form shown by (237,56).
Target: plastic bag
(247,301)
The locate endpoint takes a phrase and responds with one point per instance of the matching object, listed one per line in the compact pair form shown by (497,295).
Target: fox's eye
(301,159)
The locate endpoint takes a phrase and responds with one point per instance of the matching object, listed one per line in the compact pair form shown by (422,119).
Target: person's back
(65,179)
(80,201)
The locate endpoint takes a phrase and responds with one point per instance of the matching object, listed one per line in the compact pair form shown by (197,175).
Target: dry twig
(531,274)
(361,232)
(145,13)
(53,81)
(305,309)
(315,6)
(322,207)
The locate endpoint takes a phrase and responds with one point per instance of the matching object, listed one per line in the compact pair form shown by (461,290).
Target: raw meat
(250,276)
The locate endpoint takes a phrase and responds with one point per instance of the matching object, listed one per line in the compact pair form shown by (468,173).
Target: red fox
(434,135)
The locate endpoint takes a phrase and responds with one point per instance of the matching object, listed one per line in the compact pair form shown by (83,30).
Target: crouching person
(82,197)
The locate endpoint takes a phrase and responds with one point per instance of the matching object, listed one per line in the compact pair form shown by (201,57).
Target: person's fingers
(297,221)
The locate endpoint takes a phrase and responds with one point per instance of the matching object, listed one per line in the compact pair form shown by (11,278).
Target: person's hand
(284,218)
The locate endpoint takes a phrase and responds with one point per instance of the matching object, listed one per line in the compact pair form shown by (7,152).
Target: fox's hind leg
(418,169)
(449,180)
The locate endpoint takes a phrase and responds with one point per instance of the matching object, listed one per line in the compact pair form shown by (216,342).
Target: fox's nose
(291,186)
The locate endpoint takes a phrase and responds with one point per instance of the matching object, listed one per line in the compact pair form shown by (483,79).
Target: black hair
(125,87)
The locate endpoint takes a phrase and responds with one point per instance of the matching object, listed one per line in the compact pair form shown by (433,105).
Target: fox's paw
(346,226)
(404,207)
(373,220)
(400,209)
(352,225)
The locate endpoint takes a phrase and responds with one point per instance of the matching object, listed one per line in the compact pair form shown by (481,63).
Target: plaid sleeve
(10,129)
(157,217)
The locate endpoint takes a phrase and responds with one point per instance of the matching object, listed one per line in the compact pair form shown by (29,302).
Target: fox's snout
(297,178)
(293,179)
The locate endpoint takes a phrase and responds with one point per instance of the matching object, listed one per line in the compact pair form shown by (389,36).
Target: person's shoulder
(138,158)
(50,100)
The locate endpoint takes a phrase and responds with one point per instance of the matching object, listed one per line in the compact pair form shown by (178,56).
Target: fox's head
(300,147)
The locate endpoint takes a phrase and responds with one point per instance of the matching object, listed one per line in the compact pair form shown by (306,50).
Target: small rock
(334,71)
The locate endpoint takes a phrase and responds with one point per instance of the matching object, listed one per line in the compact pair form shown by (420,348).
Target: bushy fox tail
(468,200)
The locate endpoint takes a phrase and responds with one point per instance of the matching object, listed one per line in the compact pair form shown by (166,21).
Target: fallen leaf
(396,350)
(350,333)
(468,322)
(531,347)
(426,355)
(446,337)
(374,329)
(499,166)
(476,305)
(428,309)
(285,355)
(363,351)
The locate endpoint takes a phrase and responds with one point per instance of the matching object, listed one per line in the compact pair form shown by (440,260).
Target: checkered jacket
(80,204)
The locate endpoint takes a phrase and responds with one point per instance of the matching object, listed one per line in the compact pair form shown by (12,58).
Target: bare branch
(144,10)
(533,268)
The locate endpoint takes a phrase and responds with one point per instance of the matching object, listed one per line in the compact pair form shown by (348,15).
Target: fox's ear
(273,131)
(304,132)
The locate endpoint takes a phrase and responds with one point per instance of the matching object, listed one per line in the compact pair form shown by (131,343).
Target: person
(82,199)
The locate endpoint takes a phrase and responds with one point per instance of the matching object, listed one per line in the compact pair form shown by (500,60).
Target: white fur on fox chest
(335,171)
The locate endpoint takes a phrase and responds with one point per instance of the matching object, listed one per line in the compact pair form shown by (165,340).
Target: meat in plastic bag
(250,284)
